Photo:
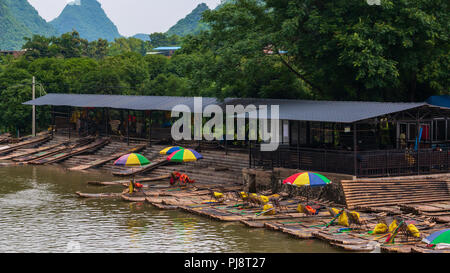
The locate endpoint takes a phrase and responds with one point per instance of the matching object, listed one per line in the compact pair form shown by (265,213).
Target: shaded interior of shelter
(358,138)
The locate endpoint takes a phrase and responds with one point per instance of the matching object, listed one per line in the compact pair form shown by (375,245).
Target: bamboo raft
(111,157)
(298,231)
(132,198)
(373,193)
(125,182)
(32,141)
(5,138)
(98,195)
(44,154)
(289,221)
(420,249)
(70,152)
(136,171)
(54,150)
(17,156)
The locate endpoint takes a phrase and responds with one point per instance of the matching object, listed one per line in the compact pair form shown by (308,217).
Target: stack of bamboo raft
(375,193)
(199,200)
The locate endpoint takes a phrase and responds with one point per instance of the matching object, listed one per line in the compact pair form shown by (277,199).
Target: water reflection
(39,212)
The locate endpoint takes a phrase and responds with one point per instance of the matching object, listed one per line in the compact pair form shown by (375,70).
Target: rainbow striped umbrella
(132,160)
(184,155)
(170,150)
(438,237)
(307,179)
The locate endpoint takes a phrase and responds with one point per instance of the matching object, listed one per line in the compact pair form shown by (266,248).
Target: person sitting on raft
(134,187)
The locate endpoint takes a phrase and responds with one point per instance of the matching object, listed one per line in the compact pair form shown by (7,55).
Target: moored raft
(298,231)
(396,248)
(98,195)
(125,182)
(99,162)
(28,152)
(62,147)
(72,152)
(147,168)
(421,249)
(32,141)
(132,198)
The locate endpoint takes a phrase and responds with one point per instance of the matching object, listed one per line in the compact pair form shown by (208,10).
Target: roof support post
(150,129)
(53,119)
(249,154)
(128,127)
(355,152)
(106,117)
(33,124)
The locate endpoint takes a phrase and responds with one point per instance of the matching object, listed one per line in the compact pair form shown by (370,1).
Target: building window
(439,130)
(412,129)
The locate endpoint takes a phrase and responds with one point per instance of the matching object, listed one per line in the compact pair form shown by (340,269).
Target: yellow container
(218,195)
(380,228)
(413,231)
(393,226)
(267,207)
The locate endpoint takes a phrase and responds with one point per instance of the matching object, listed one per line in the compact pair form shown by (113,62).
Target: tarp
(443,101)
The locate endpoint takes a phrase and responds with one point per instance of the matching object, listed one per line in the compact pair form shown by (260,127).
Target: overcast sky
(132,16)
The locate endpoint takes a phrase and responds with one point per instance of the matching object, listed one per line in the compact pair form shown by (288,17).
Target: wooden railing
(376,163)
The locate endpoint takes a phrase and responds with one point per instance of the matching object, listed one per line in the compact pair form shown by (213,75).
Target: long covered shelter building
(353,137)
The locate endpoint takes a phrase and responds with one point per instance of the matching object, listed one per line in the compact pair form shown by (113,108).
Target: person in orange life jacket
(134,187)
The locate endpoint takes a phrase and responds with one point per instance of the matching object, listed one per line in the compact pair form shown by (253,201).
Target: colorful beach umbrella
(170,150)
(184,155)
(307,179)
(132,160)
(439,237)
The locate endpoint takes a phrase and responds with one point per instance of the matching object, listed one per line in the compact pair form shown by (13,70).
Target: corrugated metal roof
(163,103)
(330,111)
(303,110)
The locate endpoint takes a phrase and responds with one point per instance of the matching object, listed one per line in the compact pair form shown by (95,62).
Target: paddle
(391,237)
(334,219)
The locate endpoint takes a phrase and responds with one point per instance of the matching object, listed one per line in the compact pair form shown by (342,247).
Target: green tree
(162,39)
(348,49)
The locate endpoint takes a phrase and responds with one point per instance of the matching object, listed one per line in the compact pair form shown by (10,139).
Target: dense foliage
(298,49)
(25,13)
(18,19)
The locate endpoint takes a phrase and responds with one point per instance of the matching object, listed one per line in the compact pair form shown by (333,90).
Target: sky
(132,16)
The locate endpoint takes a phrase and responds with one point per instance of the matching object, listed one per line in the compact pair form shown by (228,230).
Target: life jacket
(184,178)
(130,188)
(174,177)
(138,185)
(310,210)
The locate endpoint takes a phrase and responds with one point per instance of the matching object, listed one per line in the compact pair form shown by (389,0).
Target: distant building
(270,51)
(15,53)
(164,50)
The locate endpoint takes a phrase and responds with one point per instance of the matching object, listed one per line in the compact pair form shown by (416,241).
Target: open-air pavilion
(351,137)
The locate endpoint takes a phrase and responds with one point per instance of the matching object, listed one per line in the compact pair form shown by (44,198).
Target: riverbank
(225,174)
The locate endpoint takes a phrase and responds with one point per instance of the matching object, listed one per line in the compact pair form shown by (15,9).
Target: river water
(39,212)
